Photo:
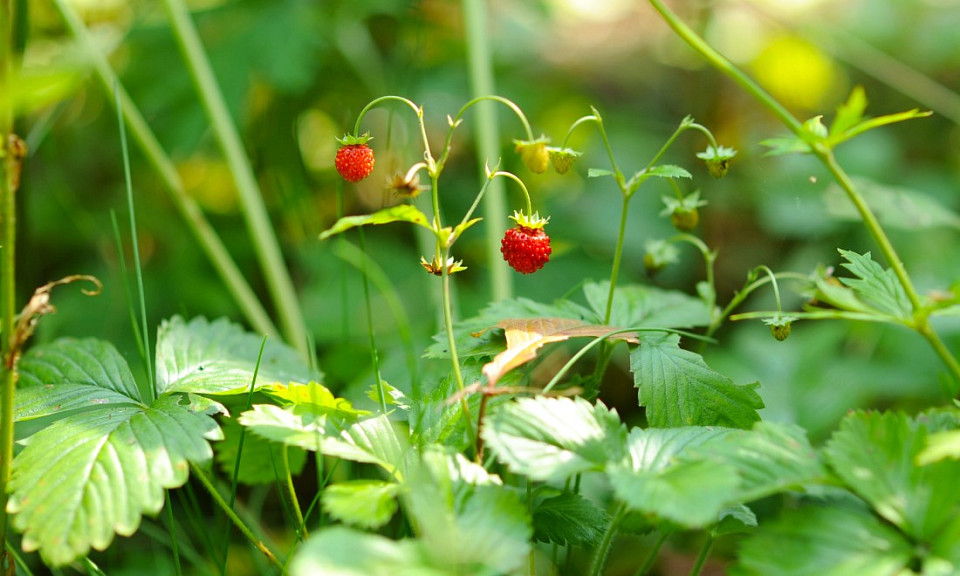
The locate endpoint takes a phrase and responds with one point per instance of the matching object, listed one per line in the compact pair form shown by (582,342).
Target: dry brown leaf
(525,336)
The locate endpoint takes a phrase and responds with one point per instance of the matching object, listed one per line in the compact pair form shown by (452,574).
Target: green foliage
(677,388)
(398,213)
(361,503)
(568,518)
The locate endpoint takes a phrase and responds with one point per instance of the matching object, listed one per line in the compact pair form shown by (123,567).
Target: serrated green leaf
(372,441)
(262,460)
(69,374)
(219,357)
(363,503)
(341,551)
(398,213)
(769,459)
(735,520)
(849,113)
(874,285)
(639,305)
(316,398)
(677,388)
(568,518)
(668,171)
(896,207)
(835,541)
(291,426)
(678,492)
(598,173)
(875,454)
(653,449)
(785,145)
(554,438)
(877,122)
(940,446)
(95,473)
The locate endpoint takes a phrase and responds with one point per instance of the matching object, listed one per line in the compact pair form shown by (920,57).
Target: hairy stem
(265,242)
(8,205)
(603,549)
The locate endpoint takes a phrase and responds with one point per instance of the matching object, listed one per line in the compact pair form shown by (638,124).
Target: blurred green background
(295,73)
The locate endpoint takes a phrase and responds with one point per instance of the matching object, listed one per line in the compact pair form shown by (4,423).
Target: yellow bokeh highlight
(796,73)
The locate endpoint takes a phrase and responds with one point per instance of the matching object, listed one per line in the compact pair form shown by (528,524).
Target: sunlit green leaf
(341,551)
(93,474)
(315,398)
(69,374)
(398,213)
(373,441)
(875,454)
(834,541)
(677,388)
(849,113)
(554,438)
(219,357)
(940,446)
(362,503)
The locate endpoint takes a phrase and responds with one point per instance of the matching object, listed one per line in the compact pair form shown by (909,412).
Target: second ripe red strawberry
(526,246)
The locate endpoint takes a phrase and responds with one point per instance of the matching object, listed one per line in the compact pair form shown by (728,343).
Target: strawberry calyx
(534,221)
(354,140)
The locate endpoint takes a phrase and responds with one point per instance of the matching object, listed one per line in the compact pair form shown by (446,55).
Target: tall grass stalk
(141,133)
(488,138)
(264,239)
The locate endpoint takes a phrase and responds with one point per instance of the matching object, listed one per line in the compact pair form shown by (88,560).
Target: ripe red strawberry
(354,158)
(526,247)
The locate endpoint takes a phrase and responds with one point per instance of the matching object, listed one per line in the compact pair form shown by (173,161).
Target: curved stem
(456,120)
(702,557)
(719,62)
(523,187)
(427,155)
(654,552)
(600,556)
(582,120)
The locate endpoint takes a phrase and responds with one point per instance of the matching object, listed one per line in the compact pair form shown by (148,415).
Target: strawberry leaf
(398,213)
(362,503)
(638,305)
(677,388)
(554,438)
(667,171)
(568,518)
(874,286)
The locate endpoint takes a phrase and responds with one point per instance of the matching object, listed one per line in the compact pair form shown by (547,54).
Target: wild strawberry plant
(497,463)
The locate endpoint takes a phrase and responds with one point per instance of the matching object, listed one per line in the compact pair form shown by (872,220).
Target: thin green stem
(487,137)
(218,499)
(523,187)
(617,257)
(603,549)
(135,247)
(292,493)
(491,98)
(9,167)
(719,62)
(204,233)
(654,552)
(579,121)
(375,356)
(702,557)
(172,532)
(265,243)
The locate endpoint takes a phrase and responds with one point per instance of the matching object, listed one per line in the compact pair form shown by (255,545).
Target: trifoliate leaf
(677,388)
(875,454)
(568,518)
(95,473)
(834,541)
(554,438)
(398,213)
(363,503)
(219,357)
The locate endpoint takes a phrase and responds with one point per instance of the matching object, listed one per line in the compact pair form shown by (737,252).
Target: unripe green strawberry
(526,247)
(562,158)
(354,160)
(685,220)
(717,159)
(780,326)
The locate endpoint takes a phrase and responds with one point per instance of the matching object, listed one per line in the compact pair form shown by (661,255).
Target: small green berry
(562,158)
(717,159)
